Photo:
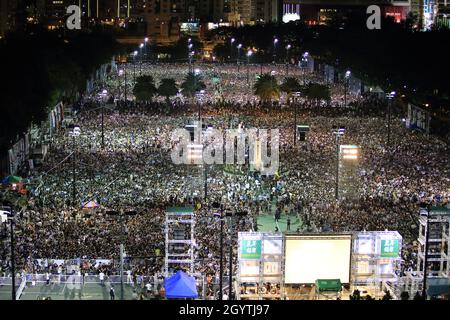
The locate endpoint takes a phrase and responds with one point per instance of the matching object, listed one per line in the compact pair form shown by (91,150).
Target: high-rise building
(255,11)
(55,13)
(3,18)
(443,14)
(12,15)
(324,11)
(431,12)
(163,18)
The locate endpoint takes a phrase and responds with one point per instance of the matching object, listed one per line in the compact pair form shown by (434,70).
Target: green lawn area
(266,223)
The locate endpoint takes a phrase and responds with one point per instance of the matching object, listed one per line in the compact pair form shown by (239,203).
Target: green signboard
(389,248)
(250,249)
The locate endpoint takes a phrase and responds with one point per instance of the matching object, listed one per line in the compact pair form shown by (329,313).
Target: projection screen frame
(321,236)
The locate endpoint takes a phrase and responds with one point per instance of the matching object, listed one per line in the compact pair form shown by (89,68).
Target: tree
(192,84)
(411,21)
(317,92)
(144,89)
(167,88)
(180,50)
(267,88)
(289,86)
(221,51)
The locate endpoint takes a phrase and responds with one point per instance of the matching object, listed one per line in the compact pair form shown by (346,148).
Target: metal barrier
(6,287)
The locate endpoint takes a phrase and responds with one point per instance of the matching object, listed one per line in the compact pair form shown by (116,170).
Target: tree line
(145,88)
(396,57)
(42,67)
(266,88)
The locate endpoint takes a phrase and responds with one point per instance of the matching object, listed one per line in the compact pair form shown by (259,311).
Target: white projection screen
(309,258)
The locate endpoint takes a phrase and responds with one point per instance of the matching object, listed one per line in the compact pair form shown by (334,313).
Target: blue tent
(180,285)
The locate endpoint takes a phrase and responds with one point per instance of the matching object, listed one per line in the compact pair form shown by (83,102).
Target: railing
(6,287)
(19,291)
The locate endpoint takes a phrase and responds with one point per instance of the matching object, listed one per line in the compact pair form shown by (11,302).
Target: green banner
(250,249)
(389,248)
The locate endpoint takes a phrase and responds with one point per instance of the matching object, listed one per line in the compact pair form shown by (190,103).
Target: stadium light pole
(249,53)
(7,214)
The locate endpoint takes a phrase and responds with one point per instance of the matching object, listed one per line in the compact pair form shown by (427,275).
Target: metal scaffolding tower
(434,242)
(180,240)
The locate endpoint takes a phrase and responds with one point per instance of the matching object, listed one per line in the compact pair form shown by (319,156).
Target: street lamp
(196,73)
(287,58)
(140,58)
(239,46)
(118,80)
(249,53)
(124,72)
(120,74)
(338,132)
(104,96)
(347,78)
(426,250)
(304,65)
(74,133)
(296,96)
(122,216)
(190,54)
(232,223)
(134,66)
(390,96)
(275,41)
(217,205)
(231,47)
(145,41)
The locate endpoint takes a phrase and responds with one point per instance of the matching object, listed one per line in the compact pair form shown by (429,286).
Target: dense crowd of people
(133,171)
